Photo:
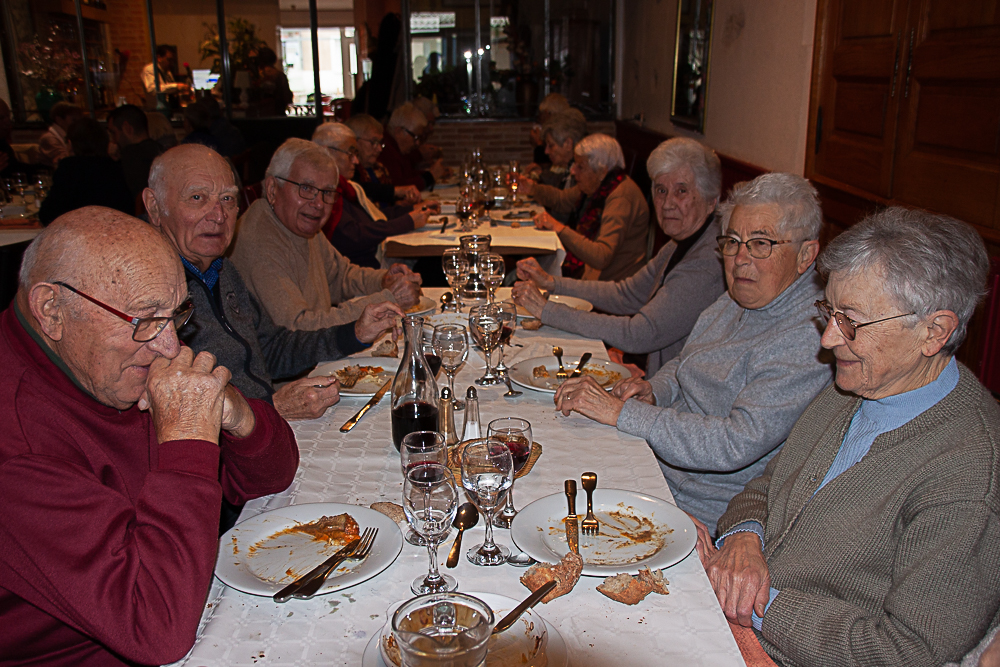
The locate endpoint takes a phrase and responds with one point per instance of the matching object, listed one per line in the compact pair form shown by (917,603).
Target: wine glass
(516,434)
(456,268)
(451,343)
(492,269)
(485,327)
(421,448)
(464,208)
(508,320)
(430,501)
(487,473)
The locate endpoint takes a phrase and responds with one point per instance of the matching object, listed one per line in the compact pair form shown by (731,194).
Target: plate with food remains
(360,377)
(425,305)
(265,553)
(539,373)
(637,530)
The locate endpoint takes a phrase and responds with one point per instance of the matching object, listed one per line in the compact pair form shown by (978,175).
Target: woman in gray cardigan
(653,311)
(715,414)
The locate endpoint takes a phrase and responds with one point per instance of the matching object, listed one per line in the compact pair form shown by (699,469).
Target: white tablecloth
(686,627)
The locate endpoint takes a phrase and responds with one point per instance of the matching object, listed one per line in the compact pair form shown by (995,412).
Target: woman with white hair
(716,413)
(605,237)
(653,311)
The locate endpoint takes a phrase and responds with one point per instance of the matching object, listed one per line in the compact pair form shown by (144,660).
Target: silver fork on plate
(364,548)
(590,525)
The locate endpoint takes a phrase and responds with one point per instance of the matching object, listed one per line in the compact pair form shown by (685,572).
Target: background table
(686,627)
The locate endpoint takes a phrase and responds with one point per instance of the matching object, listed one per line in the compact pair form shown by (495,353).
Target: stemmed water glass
(417,449)
(487,473)
(486,327)
(516,434)
(451,343)
(456,269)
(492,269)
(430,501)
(508,320)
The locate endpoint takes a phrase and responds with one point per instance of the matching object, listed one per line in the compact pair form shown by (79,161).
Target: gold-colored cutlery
(561,374)
(572,520)
(590,524)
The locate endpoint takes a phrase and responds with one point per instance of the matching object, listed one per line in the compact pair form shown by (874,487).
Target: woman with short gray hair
(873,537)
(607,216)
(652,312)
(561,133)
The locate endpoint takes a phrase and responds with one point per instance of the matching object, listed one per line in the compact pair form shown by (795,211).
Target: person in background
(358,228)
(715,414)
(402,137)
(653,311)
(117,444)
(9,164)
(300,280)
(428,151)
(52,145)
(561,133)
(87,177)
(228,137)
(166,63)
(372,174)
(873,537)
(608,218)
(273,84)
(552,104)
(160,130)
(198,126)
(129,129)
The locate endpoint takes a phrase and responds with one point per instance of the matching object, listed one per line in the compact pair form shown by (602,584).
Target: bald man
(117,445)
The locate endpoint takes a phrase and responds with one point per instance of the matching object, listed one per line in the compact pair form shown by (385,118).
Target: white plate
(573,302)
(555,649)
(276,562)
(367,386)
(523,372)
(539,531)
(425,305)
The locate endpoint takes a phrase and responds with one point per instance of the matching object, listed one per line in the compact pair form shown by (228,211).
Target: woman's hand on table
(739,575)
(421,213)
(307,398)
(407,193)
(527,297)
(545,221)
(376,319)
(530,269)
(585,396)
(634,387)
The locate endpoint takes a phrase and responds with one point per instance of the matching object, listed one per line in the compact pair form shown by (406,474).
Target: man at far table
(117,445)
(873,537)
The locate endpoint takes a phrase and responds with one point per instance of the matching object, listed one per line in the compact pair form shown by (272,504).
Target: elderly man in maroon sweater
(116,447)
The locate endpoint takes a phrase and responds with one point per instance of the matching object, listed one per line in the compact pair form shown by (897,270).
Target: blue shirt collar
(901,408)
(210,277)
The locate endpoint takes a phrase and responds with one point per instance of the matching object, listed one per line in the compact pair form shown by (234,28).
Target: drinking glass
(485,327)
(464,208)
(451,343)
(493,270)
(430,501)
(443,629)
(516,434)
(456,268)
(421,448)
(487,473)
(508,320)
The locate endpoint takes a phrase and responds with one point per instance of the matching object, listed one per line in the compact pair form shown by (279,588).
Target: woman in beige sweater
(605,237)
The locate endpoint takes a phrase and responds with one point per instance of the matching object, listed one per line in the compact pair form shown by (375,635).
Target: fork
(364,548)
(590,525)
(561,374)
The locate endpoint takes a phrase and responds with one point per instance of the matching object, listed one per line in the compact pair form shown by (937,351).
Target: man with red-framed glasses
(117,445)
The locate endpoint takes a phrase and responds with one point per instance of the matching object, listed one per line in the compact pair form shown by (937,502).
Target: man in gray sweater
(717,413)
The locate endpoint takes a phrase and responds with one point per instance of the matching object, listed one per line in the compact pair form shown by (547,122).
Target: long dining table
(686,627)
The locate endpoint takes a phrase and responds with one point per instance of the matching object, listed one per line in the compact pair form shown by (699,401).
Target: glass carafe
(443,630)
(414,390)
(474,291)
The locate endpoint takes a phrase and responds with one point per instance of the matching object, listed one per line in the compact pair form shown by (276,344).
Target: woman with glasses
(715,414)
(374,178)
(651,312)
(873,537)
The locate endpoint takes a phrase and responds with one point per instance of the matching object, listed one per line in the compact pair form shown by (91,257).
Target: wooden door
(859,77)
(948,147)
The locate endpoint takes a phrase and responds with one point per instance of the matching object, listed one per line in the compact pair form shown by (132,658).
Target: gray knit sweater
(897,560)
(651,312)
(728,401)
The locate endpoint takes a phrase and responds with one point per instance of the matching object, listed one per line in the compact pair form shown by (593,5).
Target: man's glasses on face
(307,191)
(144,329)
(353,152)
(375,142)
(417,138)
(758,248)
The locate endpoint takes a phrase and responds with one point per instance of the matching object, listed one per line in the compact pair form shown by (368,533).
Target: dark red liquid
(426,475)
(505,335)
(520,449)
(412,416)
(464,215)
(434,362)
(490,204)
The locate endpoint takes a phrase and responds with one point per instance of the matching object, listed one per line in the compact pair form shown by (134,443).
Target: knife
(444,224)
(286,593)
(579,367)
(353,421)
(572,520)
(529,602)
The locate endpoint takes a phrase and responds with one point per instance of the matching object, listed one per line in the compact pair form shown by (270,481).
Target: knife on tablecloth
(572,520)
(353,421)
(286,593)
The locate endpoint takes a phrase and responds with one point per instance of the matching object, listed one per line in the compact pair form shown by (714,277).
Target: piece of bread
(654,579)
(391,510)
(624,588)
(387,348)
(566,573)
(531,324)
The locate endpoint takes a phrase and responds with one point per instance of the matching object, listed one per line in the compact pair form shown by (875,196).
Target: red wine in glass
(412,416)
(520,449)
(434,361)
(505,335)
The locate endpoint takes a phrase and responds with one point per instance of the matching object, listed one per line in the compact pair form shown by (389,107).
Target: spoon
(447,300)
(561,374)
(467,517)
(510,390)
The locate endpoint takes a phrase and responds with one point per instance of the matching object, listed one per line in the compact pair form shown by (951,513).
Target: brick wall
(500,140)
(129,31)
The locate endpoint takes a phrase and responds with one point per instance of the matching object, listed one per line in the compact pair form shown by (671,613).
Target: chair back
(989,358)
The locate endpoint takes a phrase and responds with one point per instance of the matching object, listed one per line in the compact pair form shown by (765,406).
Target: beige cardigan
(619,249)
(298,280)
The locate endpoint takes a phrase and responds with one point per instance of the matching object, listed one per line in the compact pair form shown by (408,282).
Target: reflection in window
(337,59)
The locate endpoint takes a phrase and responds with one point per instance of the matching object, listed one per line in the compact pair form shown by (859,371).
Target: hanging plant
(242,41)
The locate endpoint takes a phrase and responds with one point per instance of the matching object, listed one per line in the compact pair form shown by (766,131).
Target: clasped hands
(404,285)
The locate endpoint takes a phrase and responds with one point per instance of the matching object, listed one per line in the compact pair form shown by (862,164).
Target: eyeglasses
(374,142)
(307,191)
(144,329)
(354,152)
(847,326)
(416,137)
(758,248)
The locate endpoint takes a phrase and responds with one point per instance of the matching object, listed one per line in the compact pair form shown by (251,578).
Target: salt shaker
(446,418)
(471,430)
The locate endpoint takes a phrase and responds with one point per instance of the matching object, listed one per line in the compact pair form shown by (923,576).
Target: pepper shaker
(446,418)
